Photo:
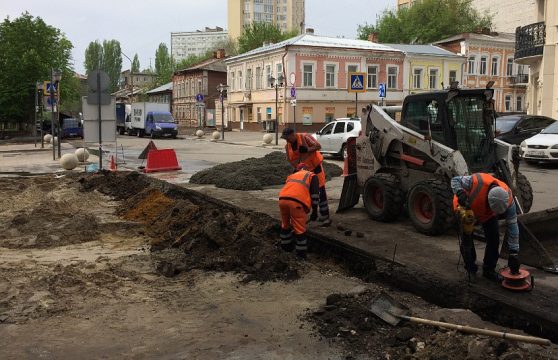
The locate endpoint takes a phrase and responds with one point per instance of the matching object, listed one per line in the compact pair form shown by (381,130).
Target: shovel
(392,312)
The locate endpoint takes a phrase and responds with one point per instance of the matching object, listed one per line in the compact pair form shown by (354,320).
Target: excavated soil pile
(346,321)
(121,185)
(32,220)
(189,232)
(254,173)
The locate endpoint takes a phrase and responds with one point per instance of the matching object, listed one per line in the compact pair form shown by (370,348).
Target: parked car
(334,135)
(542,147)
(513,129)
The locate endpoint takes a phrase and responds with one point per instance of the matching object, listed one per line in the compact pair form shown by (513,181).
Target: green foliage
(135,64)
(254,35)
(164,64)
(107,57)
(29,49)
(425,22)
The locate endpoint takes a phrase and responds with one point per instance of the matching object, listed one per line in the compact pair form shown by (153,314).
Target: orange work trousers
(293,216)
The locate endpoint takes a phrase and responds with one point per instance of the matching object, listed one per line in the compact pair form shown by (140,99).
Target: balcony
(529,41)
(519,79)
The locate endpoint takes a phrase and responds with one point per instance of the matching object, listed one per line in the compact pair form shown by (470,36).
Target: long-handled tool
(393,312)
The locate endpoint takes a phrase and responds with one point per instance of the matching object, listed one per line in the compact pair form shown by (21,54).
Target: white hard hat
(498,200)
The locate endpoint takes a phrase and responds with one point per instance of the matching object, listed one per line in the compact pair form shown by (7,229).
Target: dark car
(513,129)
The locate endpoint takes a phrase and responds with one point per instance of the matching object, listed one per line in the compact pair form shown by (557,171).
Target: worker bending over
(488,198)
(303,148)
(299,194)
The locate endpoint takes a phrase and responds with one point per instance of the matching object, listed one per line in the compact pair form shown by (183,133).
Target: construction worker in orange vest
(488,198)
(303,148)
(299,194)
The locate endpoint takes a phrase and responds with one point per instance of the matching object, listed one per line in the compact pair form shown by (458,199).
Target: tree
(29,49)
(255,34)
(107,57)
(164,64)
(425,22)
(135,64)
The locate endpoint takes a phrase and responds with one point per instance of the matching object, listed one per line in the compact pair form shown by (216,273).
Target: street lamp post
(55,77)
(222,93)
(131,77)
(276,83)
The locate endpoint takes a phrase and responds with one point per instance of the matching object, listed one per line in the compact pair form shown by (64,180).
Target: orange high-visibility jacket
(311,159)
(297,188)
(478,195)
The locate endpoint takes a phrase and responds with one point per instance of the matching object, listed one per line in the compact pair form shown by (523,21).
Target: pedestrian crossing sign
(357,82)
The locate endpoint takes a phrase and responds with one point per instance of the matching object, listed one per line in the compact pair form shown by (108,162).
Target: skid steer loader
(409,164)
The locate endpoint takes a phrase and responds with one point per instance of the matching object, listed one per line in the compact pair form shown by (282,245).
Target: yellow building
(429,67)
(286,14)
(536,45)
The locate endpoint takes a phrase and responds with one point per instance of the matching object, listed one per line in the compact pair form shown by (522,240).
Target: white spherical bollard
(216,135)
(82,154)
(54,140)
(47,138)
(69,161)
(267,138)
(199,133)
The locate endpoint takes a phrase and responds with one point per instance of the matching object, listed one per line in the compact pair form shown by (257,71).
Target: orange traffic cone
(112,165)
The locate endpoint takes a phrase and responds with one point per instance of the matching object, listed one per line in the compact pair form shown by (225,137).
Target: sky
(141,25)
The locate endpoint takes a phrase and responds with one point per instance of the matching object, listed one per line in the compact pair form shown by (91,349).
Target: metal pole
(356,105)
(294,116)
(58,120)
(36,108)
(52,125)
(99,109)
(222,116)
(276,114)
(41,116)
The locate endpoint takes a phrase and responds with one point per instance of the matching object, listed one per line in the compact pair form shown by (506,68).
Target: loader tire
(430,207)
(524,192)
(382,197)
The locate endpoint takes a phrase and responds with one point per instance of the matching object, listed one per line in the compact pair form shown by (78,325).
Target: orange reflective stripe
(304,180)
(476,187)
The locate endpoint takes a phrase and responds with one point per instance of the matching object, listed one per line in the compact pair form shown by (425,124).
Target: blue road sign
(46,87)
(199,97)
(356,82)
(293,92)
(382,90)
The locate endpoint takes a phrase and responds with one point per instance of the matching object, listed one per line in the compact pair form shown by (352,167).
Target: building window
(248,85)
(452,76)
(308,75)
(507,101)
(372,77)
(240,80)
(495,66)
(258,78)
(471,64)
(233,83)
(268,75)
(519,103)
(509,67)
(433,78)
(330,75)
(417,78)
(392,77)
(279,69)
(482,67)
(352,68)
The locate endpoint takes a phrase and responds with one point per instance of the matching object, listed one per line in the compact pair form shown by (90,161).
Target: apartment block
(184,44)
(286,14)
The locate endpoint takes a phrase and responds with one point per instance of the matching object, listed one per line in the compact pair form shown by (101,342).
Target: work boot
(288,247)
(301,255)
(324,223)
(492,275)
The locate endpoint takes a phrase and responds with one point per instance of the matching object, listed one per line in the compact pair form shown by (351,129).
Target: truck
(406,165)
(152,119)
(123,112)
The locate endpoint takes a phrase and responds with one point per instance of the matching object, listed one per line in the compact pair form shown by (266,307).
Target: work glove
(513,263)
(314,215)
(302,149)
(463,199)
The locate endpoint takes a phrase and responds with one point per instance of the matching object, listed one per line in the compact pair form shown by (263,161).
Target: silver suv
(334,135)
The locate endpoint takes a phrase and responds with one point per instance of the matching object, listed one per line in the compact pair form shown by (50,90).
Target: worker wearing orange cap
(299,194)
(303,148)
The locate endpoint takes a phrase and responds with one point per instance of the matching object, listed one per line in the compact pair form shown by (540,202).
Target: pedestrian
(303,148)
(488,198)
(299,194)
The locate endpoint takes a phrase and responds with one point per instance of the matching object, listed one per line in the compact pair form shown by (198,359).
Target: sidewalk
(246,138)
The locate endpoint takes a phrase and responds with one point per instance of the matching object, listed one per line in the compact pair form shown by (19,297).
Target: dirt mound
(209,235)
(119,185)
(345,319)
(254,173)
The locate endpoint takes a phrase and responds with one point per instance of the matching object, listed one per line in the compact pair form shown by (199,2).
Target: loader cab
(459,119)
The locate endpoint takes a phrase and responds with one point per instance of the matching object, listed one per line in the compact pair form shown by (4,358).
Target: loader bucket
(538,239)
(350,194)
